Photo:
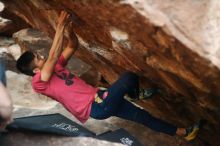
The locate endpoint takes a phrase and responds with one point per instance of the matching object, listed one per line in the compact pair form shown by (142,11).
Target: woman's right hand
(62,20)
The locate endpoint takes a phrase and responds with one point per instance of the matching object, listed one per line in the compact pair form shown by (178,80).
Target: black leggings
(115,105)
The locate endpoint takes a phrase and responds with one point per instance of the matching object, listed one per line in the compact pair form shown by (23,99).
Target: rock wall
(117,36)
(12,24)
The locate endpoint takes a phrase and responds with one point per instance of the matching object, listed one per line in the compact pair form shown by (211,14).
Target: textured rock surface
(5,25)
(9,51)
(115,37)
(8,27)
(195,23)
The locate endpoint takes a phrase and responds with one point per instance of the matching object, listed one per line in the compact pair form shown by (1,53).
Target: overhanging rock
(117,36)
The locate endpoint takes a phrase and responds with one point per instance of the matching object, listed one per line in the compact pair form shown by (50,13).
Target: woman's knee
(130,76)
(130,79)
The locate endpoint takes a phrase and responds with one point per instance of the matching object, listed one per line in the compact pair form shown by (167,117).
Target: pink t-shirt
(75,95)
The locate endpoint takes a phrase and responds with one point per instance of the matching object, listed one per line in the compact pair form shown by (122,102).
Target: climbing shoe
(147,93)
(191,132)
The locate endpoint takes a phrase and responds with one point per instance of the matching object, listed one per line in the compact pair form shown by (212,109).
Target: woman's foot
(147,93)
(192,132)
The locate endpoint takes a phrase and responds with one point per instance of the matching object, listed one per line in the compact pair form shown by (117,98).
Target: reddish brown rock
(115,38)
(13,24)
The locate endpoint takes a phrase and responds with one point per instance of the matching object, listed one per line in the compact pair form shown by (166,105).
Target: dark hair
(24,63)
